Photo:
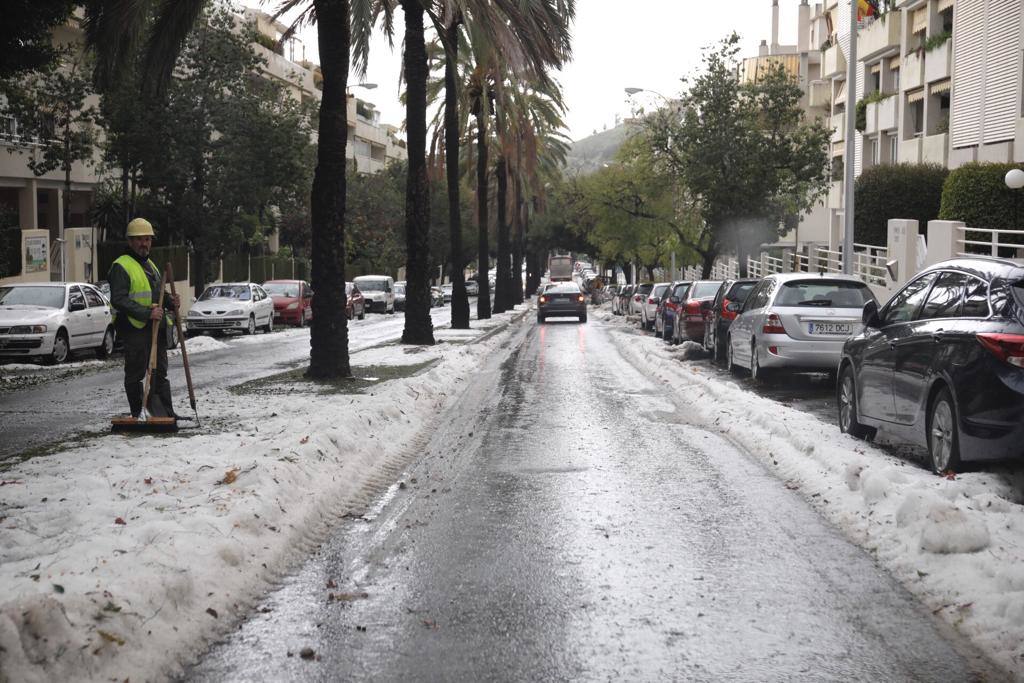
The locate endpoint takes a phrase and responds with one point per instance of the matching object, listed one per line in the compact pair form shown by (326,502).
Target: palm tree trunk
(483,302)
(328,339)
(460,301)
(419,328)
(503,277)
(517,242)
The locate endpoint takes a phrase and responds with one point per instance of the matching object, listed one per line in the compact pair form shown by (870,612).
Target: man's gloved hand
(156,313)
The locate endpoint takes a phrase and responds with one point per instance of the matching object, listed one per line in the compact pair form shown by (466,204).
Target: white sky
(642,43)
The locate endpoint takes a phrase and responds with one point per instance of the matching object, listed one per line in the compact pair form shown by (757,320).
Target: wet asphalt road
(75,402)
(566,523)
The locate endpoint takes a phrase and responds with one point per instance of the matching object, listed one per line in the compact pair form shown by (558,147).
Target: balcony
(838,123)
(885,113)
(910,151)
(935,149)
(819,94)
(871,119)
(882,35)
(912,71)
(834,63)
(835,195)
(937,62)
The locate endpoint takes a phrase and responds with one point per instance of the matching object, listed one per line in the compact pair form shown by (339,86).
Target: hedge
(911,191)
(977,194)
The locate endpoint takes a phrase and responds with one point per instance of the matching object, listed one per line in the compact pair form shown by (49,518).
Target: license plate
(213,321)
(829,328)
(276,315)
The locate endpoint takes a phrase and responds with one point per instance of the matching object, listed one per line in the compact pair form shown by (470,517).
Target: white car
(378,291)
(472,288)
(649,305)
(241,306)
(49,320)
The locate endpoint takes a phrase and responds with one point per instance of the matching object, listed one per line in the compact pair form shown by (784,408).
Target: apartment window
(893,146)
(876,150)
(837,168)
(896,80)
(917,118)
(361,147)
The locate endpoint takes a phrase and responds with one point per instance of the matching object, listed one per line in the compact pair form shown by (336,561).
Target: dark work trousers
(136,360)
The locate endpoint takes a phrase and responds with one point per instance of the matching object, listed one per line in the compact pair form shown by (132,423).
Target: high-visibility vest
(139,290)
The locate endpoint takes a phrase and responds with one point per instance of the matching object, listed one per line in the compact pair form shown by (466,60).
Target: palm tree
(115,30)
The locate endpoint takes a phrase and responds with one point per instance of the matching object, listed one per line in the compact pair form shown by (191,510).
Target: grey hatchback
(562,299)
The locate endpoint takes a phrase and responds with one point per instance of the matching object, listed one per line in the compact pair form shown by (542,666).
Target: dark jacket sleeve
(120,285)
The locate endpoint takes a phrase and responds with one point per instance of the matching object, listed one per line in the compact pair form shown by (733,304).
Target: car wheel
(757,373)
(583,318)
(251,328)
(61,348)
(846,402)
(269,327)
(943,434)
(302,319)
(362,312)
(730,360)
(107,346)
(540,318)
(172,337)
(719,351)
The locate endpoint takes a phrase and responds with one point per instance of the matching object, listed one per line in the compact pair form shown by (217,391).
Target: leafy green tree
(26,34)
(743,152)
(51,107)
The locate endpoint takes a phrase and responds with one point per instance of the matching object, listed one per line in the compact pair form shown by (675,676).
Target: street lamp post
(1015,181)
(851,147)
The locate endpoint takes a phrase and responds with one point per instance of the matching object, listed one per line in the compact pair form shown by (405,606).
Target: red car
(694,309)
(293,301)
(356,304)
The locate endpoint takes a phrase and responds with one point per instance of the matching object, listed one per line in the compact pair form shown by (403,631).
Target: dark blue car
(942,364)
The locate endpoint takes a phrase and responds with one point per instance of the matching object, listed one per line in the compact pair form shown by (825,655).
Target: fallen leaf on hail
(119,520)
(304,439)
(229,476)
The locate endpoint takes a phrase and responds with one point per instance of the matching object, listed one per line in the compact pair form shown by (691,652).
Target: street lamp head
(1015,179)
(368,86)
(633,91)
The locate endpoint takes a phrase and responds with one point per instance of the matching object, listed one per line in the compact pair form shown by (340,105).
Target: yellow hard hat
(140,227)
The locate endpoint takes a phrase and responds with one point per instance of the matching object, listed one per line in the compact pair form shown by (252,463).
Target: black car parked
(719,317)
(942,364)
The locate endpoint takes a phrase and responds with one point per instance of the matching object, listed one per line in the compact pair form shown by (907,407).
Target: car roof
(790,277)
(283,282)
(984,266)
(230,284)
(44,284)
(373,277)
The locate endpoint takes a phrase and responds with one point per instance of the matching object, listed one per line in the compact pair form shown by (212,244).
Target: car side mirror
(734,307)
(76,306)
(870,315)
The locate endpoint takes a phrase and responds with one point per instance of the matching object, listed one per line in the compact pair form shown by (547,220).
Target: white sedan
(240,306)
(49,320)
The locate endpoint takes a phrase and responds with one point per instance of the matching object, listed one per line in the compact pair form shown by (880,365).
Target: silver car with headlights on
(564,299)
(796,320)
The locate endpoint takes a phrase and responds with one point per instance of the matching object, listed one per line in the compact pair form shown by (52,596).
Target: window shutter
(920,21)
(969,73)
(1002,71)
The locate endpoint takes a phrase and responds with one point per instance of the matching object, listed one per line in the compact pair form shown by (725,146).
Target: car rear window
(702,290)
(824,293)
(680,290)
(564,288)
(659,290)
(644,289)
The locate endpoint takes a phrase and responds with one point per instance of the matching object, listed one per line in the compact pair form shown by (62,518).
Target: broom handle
(181,340)
(152,346)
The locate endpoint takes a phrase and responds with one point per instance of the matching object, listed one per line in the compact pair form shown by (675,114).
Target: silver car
(649,306)
(796,320)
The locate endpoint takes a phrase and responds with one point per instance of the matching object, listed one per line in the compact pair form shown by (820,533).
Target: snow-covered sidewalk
(958,544)
(122,557)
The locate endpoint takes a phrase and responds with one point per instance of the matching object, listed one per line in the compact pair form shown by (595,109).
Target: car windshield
(286,289)
(371,285)
(47,297)
(239,292)
(740,291)
(824,294)
(704,290)
(564,288)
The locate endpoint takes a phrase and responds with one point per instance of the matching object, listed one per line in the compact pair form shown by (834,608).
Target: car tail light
(692,310)
(638,297)
(580,298)
(773,325)
(652,300)
(1008,348)
(543,299)
(726,313)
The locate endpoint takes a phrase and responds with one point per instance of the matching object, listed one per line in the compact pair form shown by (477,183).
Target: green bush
(910,191)
(977,194)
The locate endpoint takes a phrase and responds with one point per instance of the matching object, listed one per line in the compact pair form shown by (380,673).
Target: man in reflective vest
(134,292)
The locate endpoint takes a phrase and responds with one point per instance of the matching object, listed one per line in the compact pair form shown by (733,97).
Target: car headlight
(28,329)
(193,314)
(293,306)
(237,311)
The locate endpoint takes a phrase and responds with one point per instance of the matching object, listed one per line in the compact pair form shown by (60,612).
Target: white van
(378,291)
